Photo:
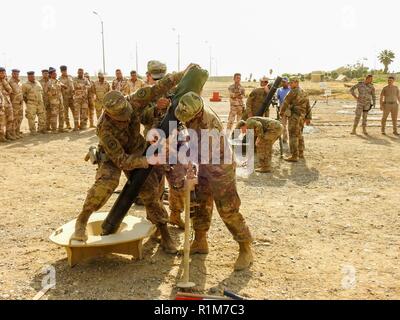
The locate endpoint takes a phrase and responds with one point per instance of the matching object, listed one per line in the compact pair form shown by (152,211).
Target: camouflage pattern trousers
(235,113)
(264,147)
(217,183)
(296,139)
(33,111)
(47,109)
(9,113)
(56,114)
(107,180)
(361,111)
(91,110)
(18,109)
(68,105)
(99,108)
(80,111)
(2,122)
(176,180)
(393,110)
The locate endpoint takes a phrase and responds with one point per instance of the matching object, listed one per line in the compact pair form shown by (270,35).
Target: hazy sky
(249,36)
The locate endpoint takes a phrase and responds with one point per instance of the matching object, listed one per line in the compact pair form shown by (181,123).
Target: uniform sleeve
(113,87)
(288,101)
(308,110)
(7,86)
(373,96)
(232,93)
(25,93)
(142,97)
(147,118)
(116,153)
(250,104)
(353,90)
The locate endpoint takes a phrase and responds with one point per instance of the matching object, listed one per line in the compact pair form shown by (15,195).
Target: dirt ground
(325,228)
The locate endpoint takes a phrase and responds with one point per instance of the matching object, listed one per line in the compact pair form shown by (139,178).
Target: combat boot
(365,131)
(301,155)
(199,245)
(167,243)
(156,236)
(245,258)
(80,227)
(175,220)
(354,132)
(292,159)
(2,138)
(264,170)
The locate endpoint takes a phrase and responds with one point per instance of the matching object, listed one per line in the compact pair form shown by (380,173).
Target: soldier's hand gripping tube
(194,80)
(268,100)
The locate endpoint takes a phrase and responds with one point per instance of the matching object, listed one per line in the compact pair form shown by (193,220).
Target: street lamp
(179,49)
(102,41)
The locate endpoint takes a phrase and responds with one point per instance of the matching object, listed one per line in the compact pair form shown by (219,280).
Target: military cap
(2,69)
(241,124)
(117,106)
(15,71)
(294,79)
(30,73)
(156,69)
(285,79)
(190,105)
(100,74)
(264,79)
(63,68)
(45,70)
(51,70)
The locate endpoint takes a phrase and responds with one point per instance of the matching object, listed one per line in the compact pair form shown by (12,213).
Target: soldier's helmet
(190,105)
(117,106)
(156,69)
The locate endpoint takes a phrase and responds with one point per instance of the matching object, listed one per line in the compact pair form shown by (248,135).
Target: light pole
(179,49)
(102,41)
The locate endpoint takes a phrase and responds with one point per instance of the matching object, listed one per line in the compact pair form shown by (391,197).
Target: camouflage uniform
(91,96)
(217,183)
(2,119)
(100,89)
(254,103)
(33,97)
(122,147)
(236,94)
(366,98)
(297,109)
(267,132)
(6,90)
(134,86)
(390,98)
(81,105)
(67,93)
(18,105)
(54,94)
(44,83)
(121,85)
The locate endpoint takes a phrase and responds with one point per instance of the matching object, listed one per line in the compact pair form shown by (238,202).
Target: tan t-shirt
(390,95)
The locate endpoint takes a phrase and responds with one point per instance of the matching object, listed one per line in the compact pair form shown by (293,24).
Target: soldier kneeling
(267,132)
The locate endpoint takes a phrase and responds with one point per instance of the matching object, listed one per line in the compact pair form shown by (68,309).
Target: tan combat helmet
(117,107)
(190,105)
(156,69)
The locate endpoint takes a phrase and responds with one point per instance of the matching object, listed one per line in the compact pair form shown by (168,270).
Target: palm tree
(386,57)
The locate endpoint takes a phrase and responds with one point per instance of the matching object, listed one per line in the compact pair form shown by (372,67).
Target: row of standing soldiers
(50,100)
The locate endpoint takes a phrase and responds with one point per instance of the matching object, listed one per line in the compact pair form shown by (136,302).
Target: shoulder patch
(110,143)
(141,93)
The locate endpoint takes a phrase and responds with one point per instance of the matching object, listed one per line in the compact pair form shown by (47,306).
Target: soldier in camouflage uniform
(120,83)
(81,98)
(152,116)
(216,183)
(366,99)
(267,132)
(67,93)
(236,94)
(6,90)
(32,93)
(121,148)
(101,87)
(44,81)
(54,94)
(91,95)
(2,119)
(17,102)
(296,108)
(256,99)
(135,83)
